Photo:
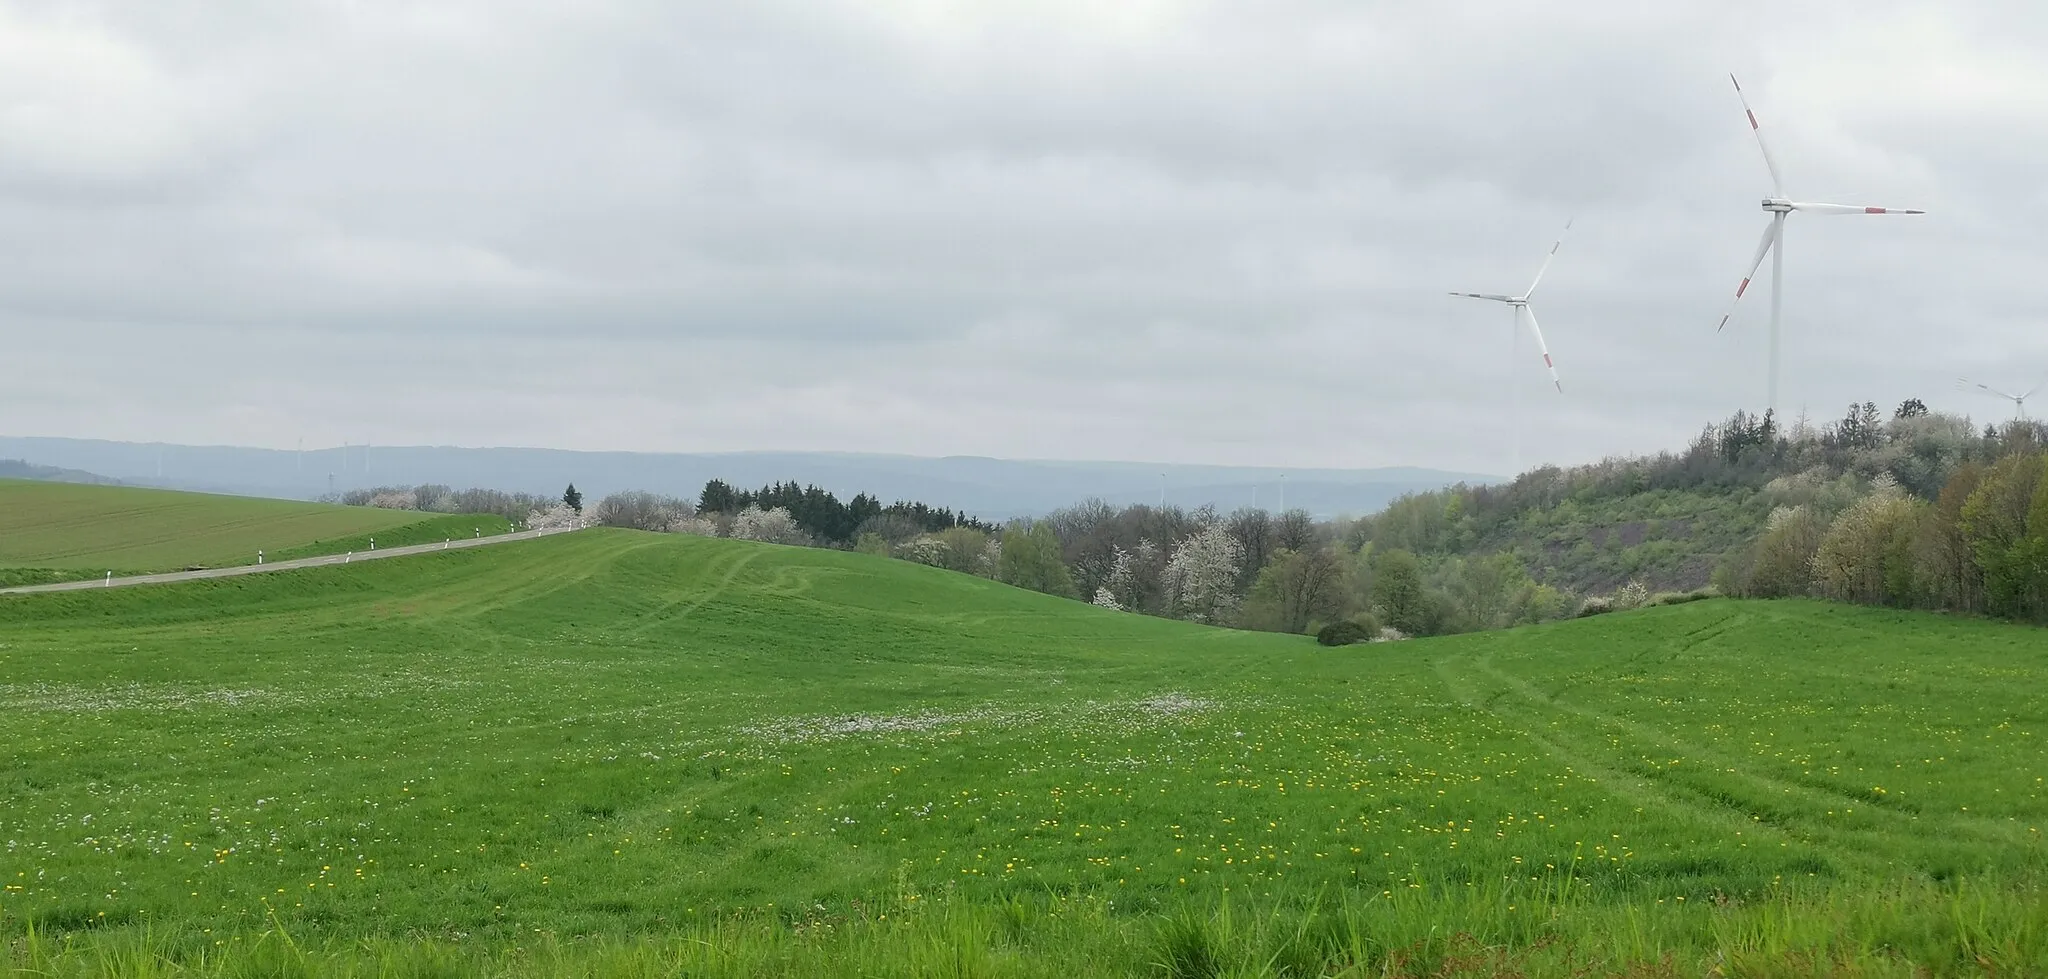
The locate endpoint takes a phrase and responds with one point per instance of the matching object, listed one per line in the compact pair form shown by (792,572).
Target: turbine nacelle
(1779,205)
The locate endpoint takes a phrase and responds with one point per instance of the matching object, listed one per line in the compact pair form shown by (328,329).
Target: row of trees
(437,498)
(1250,569)
(783,513)
(1912,508)
(1981,545)
(821,515)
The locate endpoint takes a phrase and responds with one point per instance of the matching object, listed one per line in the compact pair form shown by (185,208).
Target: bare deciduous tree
(1298,589)
(1294,531)
(643,511)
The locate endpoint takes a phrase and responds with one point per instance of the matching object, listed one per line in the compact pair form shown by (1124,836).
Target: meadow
(59,531)
(611,753)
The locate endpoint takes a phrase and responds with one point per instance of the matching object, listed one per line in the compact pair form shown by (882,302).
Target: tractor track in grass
(1795,810)
(1658,793)
(687,604)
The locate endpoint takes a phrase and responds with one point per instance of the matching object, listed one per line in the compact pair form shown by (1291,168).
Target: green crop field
(610,753)
(88,530)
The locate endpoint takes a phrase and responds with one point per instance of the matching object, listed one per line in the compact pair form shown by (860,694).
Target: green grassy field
(609,753)
(66,530)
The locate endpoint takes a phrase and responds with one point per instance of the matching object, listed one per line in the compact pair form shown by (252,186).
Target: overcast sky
(1184,232)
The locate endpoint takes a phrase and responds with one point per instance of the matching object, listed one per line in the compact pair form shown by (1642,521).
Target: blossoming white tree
(555,516)
(394,500)
(1201,576)
(774,526)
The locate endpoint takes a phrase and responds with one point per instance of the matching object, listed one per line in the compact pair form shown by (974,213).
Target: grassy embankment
(68,531)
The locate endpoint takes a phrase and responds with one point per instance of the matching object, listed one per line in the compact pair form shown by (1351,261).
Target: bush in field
(1633,595)
(1345,632)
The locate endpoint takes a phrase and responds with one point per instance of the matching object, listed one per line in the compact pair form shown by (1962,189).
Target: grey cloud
(1196,232)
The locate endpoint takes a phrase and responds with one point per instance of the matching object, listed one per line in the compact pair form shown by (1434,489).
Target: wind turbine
(2019,401)
(1778,206)
(1520,306)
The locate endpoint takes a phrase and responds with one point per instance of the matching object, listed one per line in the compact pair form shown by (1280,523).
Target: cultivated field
(612,753)
(89,530)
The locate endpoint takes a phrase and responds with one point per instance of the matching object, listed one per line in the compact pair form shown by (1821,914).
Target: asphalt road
(304,562)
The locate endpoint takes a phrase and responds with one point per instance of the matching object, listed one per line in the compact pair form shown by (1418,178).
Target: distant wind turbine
(2019,401)
(1779,206)
(1520,306)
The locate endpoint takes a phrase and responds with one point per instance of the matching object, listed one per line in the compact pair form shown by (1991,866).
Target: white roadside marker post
(259,558)
(373,543)
(110,579)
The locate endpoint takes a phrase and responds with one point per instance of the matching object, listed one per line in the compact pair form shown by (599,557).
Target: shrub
(1631,596)
(1343,632)
(1682,597)
(1596,605)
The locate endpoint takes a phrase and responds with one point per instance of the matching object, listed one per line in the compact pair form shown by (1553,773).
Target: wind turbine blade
(1496,297)
(1777,182)
(1991,390)
(1853,209)
(1762,248)
(1542,347)
(1547,260)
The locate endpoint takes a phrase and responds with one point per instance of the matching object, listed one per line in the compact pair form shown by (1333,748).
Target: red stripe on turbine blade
(1873,210)
(1752,118)
(1739,290)
(1547,363)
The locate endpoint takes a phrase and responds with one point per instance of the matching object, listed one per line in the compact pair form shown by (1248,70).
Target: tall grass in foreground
(1907,929)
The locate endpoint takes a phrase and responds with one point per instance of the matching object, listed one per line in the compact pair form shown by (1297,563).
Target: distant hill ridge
(23,469)
(985,487)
